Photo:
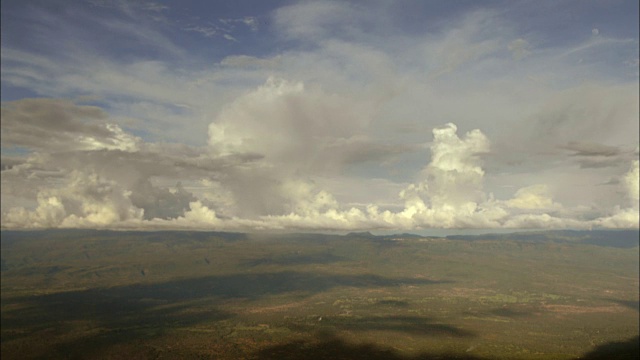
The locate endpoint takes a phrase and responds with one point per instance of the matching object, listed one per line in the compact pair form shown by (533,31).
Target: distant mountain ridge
(611,238)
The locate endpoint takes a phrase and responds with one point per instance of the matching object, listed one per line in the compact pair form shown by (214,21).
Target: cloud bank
(361,121)
(249,182)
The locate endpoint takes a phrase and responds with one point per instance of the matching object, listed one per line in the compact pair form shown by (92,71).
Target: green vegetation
(147,295)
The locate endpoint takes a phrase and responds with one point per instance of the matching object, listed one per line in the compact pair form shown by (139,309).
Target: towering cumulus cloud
(454,175)
(450,194)
(626,216)
(631,181)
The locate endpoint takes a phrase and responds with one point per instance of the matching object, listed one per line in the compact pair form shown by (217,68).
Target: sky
(320,115)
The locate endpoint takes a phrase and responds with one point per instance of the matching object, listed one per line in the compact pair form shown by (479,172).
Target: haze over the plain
(350,115)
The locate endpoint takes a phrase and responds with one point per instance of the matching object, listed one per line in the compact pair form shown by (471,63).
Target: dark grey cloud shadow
(616,350)
(295,259)
(118,306)
(415,325)
(335,348)
(631,304)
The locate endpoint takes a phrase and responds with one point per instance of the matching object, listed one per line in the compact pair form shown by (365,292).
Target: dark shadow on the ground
(246,285)
(296,259)
(631,304)
(105,317)
(108,313)
(121,305)
(623,350)
(505,311)
(335,348)
(78,325)
(416,325)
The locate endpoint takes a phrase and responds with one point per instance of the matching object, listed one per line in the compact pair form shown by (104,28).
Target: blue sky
(320,115)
